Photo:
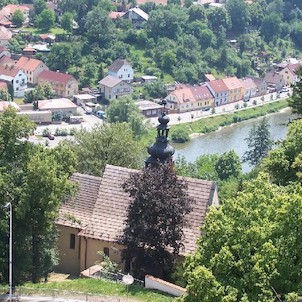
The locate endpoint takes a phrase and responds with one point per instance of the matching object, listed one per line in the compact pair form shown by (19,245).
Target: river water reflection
(232,137)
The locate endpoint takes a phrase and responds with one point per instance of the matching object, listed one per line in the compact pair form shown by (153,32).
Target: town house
(5,36)
(15,77)
(111,88)
(274,80)
(63,84)
(121,69)
(250,88)
(289,74)
(235,88)
(10,9)
(219,90)
(136,16)
(32,68)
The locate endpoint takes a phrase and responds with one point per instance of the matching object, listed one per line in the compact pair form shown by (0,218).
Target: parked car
(101,114)
(50,136)
(285,89)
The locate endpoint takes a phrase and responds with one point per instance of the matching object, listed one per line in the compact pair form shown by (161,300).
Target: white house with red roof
(15,77)
(5,36)
(63,84)
(188,98)
(32,68)
(219,90)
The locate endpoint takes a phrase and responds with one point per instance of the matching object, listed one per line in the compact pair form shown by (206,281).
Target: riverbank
(214,123)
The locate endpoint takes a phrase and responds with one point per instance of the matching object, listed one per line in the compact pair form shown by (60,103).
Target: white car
(285,89)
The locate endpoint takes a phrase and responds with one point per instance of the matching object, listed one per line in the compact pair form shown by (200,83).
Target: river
(232,137)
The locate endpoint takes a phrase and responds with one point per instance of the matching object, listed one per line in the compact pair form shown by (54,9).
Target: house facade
(219,91)
(289,74)
(63,84)
(93,219)
(250,88)
(190,98)
(274,80)
(4,52)
(10,9)
(5,36)
(121,69)
(111,88)
(136,16)
(150,109)
(32,68)
(15,77)
(235,88)
(261,85)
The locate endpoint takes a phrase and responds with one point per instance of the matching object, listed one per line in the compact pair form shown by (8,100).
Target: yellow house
(93,220)
(236,89)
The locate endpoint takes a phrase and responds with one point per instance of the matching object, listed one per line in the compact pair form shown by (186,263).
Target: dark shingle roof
(77,210)
(108,218)
(117,65)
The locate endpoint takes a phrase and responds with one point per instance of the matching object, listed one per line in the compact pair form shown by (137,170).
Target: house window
(128,75)
(106,251)
(72,241)
(17,81)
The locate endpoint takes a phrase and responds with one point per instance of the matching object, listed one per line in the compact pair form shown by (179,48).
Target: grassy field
(54,31)
(100,287)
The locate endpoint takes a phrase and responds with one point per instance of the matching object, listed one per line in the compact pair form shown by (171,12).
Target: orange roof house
(10,9)
(63,84)
(94,218)
(32,68)
(235,87)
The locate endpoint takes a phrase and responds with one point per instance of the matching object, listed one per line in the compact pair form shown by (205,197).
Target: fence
(55,295)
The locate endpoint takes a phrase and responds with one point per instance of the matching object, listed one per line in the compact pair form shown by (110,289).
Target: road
(186,117)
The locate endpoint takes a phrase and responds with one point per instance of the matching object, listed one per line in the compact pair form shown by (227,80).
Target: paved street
(186,117)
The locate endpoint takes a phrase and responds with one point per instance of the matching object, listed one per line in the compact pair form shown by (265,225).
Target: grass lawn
(102,287)
(19,101)
(34,30)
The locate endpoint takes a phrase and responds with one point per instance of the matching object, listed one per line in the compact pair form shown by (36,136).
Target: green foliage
(5,96)
(228,165)
(18,18)
(107,144)
(156,90)
(242,254)
(45,20)
(295,102)
(66,21)
(155,219)
(259,143)
(108,267)
(42,92)
(125,110)
(180,135)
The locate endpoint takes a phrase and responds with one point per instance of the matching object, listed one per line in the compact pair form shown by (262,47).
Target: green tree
(228,165)
(18,18)
(180,135)
(45,20)
(89,74)
(239,14)
(43,91)
(4,95)
(107,144)
(125,110)
(259,143)
(156,89)
(271,27)
(39,6)
(155,219)
(239,256)
(217,18)
(66,21)
(295,102)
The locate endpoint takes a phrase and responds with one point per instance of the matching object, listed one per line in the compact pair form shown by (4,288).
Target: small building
(148,79)
(219,90)
(116,15)
(82,99)
(59,108)
(39,117)
(28,51)
(136,16)
(274,80)
(261,86)
(111,88)
(15,77)
(235,88)
(121,69)
(209,77)
(250,88)
(63,84)
(4,52)
(5,36)
(32,68)
(150,109)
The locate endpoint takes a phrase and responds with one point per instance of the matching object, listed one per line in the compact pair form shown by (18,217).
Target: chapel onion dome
(161,150)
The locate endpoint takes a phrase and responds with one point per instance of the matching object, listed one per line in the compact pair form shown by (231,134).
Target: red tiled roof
(77,211)
(29,63)
(115,15)
(11,8)
(232,83)
(5,34)
(6,60)
(53,76)
(108,218)
(10,71)
(218,86)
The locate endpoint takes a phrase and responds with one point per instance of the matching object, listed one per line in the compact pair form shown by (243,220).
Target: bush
(180,135)
(45,132)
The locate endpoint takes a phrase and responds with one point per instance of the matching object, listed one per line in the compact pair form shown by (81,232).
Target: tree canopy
(155,219)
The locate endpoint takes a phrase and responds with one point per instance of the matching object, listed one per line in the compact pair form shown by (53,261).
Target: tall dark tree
(155,221)
(295,102)
(259,143)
